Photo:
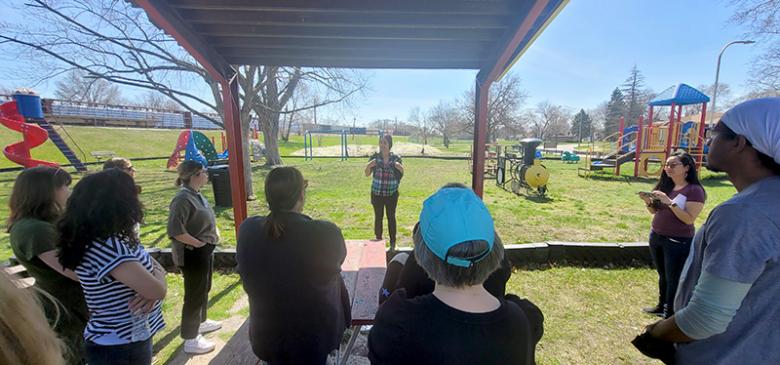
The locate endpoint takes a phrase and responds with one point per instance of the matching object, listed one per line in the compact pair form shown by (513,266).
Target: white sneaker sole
(209,329)
(198,351)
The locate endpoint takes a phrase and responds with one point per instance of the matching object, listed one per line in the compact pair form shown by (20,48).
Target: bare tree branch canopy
(506,98)
(444,118)
(75,87)
(549,119)
(762,18)
(114,41)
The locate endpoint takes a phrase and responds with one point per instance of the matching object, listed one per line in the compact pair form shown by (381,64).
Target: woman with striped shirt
(123,286)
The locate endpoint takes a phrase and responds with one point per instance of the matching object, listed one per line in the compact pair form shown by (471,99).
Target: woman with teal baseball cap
(460,322)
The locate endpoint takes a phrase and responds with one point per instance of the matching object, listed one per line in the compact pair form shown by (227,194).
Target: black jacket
(299,305)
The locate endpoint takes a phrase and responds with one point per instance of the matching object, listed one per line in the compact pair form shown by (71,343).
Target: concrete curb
(586,254)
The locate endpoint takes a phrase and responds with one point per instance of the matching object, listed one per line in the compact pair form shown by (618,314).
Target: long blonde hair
(25,335)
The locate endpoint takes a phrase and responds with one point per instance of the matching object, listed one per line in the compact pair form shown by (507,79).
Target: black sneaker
(658,310)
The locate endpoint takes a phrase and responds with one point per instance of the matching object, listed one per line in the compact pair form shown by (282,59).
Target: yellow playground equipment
(651,143)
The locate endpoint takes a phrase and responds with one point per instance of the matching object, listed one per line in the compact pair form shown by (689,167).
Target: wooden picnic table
(363,271)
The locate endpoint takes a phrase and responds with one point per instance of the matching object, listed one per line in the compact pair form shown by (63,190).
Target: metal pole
(717,75)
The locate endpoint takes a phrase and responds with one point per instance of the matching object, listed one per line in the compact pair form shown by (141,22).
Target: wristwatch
(672,205)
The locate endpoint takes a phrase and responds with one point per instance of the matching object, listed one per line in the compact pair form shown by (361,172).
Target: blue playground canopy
(681,94)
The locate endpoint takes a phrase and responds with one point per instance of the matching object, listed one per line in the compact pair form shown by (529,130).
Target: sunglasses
(672,165)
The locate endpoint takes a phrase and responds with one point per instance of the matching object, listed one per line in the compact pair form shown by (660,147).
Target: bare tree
(422,124)
(635,97)
(155,100)
(443,119)
(724,98)
(114,41)
(549,119)
(75,86)
(504,102)
(762,18)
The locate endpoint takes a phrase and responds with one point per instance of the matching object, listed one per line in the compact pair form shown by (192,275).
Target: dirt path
(367,149)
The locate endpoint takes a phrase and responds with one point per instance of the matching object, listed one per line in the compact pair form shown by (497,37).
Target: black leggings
(669,255)
(197,269)
(382,204)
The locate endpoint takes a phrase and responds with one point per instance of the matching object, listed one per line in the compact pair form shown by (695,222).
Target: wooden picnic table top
(363,271)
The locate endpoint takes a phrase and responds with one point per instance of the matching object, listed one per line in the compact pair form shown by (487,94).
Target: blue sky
(587,51)
(583,54)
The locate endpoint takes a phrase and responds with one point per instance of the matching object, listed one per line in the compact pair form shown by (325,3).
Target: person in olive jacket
(192,228)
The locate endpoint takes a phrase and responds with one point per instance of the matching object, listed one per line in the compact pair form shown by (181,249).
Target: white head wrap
(759,121)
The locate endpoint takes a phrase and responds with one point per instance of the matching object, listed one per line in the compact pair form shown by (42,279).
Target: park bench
(18,274)
(101,155)
(363,271)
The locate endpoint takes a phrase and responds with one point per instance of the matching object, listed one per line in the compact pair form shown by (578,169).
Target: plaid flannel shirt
(385,183)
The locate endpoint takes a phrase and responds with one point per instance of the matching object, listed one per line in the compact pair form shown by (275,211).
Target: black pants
(134,353)
(198,265)
(385,204)
(669,255)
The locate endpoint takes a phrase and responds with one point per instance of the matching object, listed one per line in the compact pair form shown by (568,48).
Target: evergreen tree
(634,95)
(616,108)
(581,125)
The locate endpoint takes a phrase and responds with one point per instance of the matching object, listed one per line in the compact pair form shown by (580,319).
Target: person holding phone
(387,170)
(675,202)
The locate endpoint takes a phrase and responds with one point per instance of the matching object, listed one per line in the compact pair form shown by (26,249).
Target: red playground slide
(33,135)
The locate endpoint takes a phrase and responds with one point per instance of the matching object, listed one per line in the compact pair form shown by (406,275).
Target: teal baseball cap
(452,216)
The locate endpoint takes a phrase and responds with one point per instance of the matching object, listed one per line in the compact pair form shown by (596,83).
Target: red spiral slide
(33,135)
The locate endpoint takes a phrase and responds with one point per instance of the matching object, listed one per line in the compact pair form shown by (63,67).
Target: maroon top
(667,224)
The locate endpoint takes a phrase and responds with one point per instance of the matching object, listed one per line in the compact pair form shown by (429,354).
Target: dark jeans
(135,353)
(198,265)
(669,255)
(385,204)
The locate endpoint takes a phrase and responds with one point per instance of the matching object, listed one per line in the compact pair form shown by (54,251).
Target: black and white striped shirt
(108,299)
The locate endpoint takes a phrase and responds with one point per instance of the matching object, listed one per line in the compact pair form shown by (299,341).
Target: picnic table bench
(363,271)
(18,274)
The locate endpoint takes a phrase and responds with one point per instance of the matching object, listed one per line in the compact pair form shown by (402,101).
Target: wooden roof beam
(468,7)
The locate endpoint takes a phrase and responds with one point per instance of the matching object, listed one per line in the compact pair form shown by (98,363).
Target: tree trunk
(270,125)
(247,147)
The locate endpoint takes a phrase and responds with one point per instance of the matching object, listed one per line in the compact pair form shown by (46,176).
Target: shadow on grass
(165,341)
(537,199)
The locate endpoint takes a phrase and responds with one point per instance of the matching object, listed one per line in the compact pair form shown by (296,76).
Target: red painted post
(235,157)
(621,125)
(669,133)
(222,136)
(700,141)
(480,136)
(639,143)
(649,133)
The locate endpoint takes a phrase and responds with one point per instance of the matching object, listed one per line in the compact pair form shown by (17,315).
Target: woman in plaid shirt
(387,170)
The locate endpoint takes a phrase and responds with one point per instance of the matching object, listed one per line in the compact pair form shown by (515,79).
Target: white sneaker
(198,345)
(209,326)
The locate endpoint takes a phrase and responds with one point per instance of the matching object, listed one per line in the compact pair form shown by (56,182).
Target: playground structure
(524,167)
(654,142)
(25,115)
(308,143)
(197,147)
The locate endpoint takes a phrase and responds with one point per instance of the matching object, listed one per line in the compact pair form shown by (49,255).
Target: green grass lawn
(591,314)
(603,208)
(225,292)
